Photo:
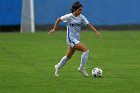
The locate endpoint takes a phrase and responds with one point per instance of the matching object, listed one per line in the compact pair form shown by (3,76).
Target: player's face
(78,11)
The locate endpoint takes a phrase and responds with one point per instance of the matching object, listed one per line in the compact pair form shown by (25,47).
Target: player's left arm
(93,29)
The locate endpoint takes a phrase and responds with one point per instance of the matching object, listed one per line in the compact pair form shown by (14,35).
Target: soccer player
(74,21)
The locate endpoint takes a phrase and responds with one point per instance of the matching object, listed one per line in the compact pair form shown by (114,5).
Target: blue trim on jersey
(68,35)
(73,43)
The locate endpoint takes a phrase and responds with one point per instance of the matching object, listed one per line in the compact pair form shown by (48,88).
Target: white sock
(84,58)
(62,62)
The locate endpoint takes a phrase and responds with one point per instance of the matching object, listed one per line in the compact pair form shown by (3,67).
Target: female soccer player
(74,21)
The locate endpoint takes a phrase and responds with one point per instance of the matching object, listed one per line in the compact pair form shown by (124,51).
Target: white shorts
(72,41)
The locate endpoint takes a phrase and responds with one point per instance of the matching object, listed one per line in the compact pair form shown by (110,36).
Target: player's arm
(55,26)
(93,29)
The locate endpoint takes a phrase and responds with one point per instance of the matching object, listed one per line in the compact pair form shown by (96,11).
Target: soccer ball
(97,72)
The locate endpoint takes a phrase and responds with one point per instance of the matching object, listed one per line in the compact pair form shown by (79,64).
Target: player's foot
(56,71)
(83,71)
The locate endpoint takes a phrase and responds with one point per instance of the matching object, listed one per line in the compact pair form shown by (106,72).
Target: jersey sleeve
(84,20)
(65,17)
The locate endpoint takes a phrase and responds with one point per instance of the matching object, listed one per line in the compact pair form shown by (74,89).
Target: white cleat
(56,71)
(83,71)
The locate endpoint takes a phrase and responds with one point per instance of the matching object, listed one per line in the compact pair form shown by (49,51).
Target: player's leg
(81,47)
(64,60)
(68,55)
(70,52)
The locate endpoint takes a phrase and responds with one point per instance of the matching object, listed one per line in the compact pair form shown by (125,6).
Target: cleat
(83,71)
(56,71)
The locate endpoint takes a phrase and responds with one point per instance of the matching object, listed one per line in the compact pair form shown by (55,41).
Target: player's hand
(98,34)
(51,31)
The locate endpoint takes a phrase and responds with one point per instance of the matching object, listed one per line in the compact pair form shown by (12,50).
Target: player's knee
(69,56)
(86,51)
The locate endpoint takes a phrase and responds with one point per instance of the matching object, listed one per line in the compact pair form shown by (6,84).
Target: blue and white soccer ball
(97,72)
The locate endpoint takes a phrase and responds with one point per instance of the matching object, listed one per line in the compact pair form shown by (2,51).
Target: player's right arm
(55,26)
(62,18)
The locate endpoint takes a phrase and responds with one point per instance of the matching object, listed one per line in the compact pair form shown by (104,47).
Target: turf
(27,63)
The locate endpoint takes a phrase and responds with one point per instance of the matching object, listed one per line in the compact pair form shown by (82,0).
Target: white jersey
(74,26)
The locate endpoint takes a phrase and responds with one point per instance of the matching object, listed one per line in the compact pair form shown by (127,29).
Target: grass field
(27,63)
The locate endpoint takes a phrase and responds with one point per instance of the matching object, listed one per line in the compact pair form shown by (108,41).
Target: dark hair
(75,6)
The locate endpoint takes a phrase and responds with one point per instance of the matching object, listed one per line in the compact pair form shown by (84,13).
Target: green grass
(27,63)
